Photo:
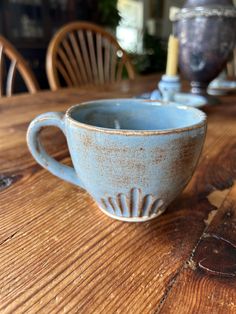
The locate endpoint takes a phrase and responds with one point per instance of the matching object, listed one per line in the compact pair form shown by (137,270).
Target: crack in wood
(169,286)
(191,264)
(9,238)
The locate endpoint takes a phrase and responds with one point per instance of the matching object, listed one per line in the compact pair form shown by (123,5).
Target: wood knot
(7,180)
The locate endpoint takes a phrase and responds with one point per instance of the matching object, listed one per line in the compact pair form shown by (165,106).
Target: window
(130,30)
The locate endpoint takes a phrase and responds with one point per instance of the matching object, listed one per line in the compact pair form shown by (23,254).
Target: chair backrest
(82,53)
(17,63)
(231,66)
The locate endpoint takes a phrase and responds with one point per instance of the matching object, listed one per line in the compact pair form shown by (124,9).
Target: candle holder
(169,85)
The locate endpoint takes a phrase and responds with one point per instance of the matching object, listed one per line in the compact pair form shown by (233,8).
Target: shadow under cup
(134,157)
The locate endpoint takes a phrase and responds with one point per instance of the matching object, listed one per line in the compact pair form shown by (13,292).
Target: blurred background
(142,27)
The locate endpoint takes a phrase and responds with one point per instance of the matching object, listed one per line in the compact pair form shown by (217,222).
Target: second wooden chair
(83,53)
(8,54)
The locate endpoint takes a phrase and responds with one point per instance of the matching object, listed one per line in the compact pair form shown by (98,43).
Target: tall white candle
(172,59)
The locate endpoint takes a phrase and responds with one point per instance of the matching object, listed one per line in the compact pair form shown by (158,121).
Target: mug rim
(201,114)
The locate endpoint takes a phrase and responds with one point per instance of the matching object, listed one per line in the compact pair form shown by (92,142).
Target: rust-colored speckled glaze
(132,156)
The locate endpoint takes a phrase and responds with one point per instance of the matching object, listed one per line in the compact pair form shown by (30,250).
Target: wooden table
(60,254)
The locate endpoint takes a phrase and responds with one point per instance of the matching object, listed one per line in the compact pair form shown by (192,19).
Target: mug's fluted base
(133,219)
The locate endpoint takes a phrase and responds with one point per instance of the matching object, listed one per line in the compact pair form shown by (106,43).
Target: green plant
(154,57)
(108,13)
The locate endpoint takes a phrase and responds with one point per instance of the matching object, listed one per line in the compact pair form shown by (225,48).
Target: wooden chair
(83,53)
(17,63)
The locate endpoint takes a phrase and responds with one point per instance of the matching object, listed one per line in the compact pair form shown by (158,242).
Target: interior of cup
(131,114)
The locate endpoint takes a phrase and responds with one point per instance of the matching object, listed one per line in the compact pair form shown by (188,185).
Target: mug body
(134,157)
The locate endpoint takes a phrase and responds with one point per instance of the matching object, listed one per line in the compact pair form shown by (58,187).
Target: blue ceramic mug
(134,157)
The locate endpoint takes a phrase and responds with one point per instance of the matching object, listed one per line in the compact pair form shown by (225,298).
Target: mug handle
(40,155)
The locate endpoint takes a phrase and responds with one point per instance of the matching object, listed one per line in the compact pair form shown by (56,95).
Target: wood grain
(59,253)
(208,279)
